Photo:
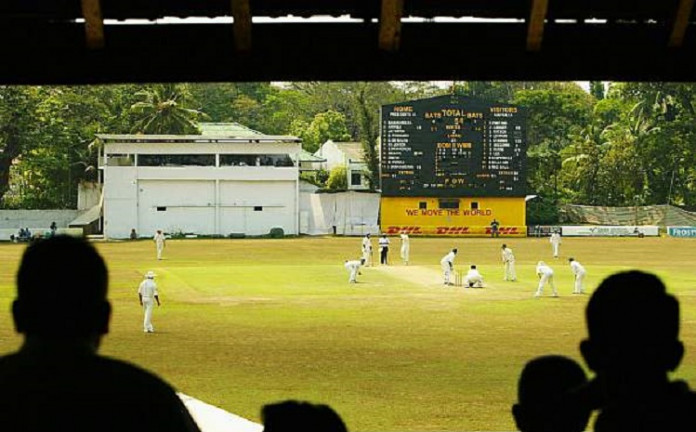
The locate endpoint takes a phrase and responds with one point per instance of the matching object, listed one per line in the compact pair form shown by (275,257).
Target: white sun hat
(150,275)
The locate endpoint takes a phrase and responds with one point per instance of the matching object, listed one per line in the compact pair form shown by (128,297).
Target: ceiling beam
(390,25)
(681,22)
(535,29)
(94,24)
(241,12)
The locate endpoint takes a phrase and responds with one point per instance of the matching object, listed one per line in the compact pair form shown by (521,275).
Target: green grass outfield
(246,322)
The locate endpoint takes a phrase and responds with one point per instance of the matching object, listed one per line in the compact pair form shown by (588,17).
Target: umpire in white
(147,292)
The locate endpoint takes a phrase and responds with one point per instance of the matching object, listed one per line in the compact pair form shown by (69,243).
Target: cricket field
(250,321)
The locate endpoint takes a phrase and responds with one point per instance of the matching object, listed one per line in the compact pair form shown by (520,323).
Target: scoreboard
(453,146)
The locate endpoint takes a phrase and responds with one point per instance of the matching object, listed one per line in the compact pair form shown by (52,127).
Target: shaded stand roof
(71,41)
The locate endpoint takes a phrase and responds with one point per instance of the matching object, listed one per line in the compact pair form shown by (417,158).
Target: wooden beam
(535,29)
(390,25)
(94,24)
(681,22)
(241,12)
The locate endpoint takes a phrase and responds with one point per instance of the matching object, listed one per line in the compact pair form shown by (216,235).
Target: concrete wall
(207,200)
(349,213)
(35,219)
(88,195)
(200,200)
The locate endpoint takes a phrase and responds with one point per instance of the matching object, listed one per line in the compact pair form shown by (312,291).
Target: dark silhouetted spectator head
(296,416)
(61,290)
(633,327)
(545,402)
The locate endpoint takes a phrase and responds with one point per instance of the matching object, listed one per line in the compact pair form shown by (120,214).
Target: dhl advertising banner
(453,216)
(464,231)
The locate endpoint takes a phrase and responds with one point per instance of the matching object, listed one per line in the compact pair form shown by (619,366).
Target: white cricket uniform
(353,267)
(148,291)
(159,242)
(555,240)
(447,263)
(509,263)
(473,279)
(545,274)
(579,272)
(367,250)
(405,247)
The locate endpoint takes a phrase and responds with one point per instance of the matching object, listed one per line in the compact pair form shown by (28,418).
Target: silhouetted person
(633,344)
(56,381)
(544,401)
(296,416)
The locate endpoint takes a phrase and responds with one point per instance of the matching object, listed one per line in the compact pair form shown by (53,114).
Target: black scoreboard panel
(451,146)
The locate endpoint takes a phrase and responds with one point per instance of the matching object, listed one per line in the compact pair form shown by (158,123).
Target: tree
(338,178)
(555,113)
(17,127)
(597,89)
(163,110)
(220,101)
(582,161)
(329,125)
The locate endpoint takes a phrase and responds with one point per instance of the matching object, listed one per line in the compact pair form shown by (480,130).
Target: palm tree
(163,110)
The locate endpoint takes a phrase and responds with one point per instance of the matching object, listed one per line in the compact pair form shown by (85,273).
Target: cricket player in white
(579,272)
(147,292)
(367,250)
(159,242)
(545,274)
(509,263)
(405,247)
(447,263)
(473,278)
(555,240)
(354,268)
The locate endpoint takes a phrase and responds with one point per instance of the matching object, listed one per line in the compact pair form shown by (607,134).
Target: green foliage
(276,232)
(597,89)
(329,125)
(317,178)
(162,109)
(541,211)
(338,178)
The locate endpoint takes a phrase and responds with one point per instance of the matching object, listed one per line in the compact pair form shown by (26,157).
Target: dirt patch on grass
(232,301)
(420,275)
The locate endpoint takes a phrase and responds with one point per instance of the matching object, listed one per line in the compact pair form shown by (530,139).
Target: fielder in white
(555,240)
(579,272)
(159,242)
(405,247)
(545,274)
(354,268)
(447,263)
(473,278)
(367,250)
(509,264)
(147,292)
